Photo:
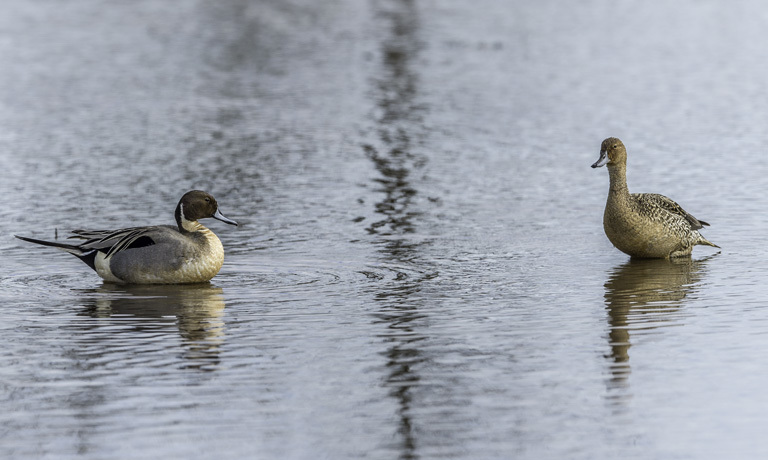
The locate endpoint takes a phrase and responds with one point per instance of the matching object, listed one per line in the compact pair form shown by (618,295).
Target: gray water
(420,271)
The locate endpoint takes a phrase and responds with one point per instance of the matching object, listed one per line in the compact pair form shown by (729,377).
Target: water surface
(420,269)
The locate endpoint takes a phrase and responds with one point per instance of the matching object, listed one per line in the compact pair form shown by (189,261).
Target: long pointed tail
(706,242)
(70,248)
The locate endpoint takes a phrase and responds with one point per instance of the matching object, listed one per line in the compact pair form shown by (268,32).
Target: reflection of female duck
(197,308)
(645,294)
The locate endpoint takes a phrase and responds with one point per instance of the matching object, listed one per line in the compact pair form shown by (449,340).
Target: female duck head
(612,153)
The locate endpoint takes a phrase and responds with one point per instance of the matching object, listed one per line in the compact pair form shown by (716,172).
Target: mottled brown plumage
(644,225)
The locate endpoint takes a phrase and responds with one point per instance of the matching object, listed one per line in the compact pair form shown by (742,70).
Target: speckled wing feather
(654,200)
(114,241)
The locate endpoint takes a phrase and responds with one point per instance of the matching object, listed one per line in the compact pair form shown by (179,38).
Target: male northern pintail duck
(162,254)
(644,225)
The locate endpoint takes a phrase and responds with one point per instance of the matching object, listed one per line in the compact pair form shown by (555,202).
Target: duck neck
(186,226)
(618,176)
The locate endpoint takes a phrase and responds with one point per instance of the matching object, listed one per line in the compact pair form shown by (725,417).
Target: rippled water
(420,269)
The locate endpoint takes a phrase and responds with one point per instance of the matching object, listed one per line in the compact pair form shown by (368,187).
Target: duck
(162,254)
(644,225)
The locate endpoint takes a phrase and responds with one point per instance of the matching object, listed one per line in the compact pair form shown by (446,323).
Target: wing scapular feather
(670,205)
(114,241)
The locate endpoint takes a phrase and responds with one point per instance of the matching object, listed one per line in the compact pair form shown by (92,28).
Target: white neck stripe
(188,225)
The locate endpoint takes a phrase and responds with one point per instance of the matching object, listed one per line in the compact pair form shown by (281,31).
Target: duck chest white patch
(208,262)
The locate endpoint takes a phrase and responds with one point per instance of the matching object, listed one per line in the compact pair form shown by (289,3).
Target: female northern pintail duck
(644,225)
(162,254)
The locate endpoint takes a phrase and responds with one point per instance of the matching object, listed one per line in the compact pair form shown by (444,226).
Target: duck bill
(602,161)
(219,216)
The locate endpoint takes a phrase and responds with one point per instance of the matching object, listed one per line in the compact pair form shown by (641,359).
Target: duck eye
(207,200)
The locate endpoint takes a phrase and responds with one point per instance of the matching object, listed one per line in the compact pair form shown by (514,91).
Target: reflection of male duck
(198,310)
(644,294)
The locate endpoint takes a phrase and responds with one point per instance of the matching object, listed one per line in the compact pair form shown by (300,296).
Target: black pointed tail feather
(71,248)
(88,255)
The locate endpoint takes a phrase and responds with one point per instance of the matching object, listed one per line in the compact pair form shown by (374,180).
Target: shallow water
(420,269)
